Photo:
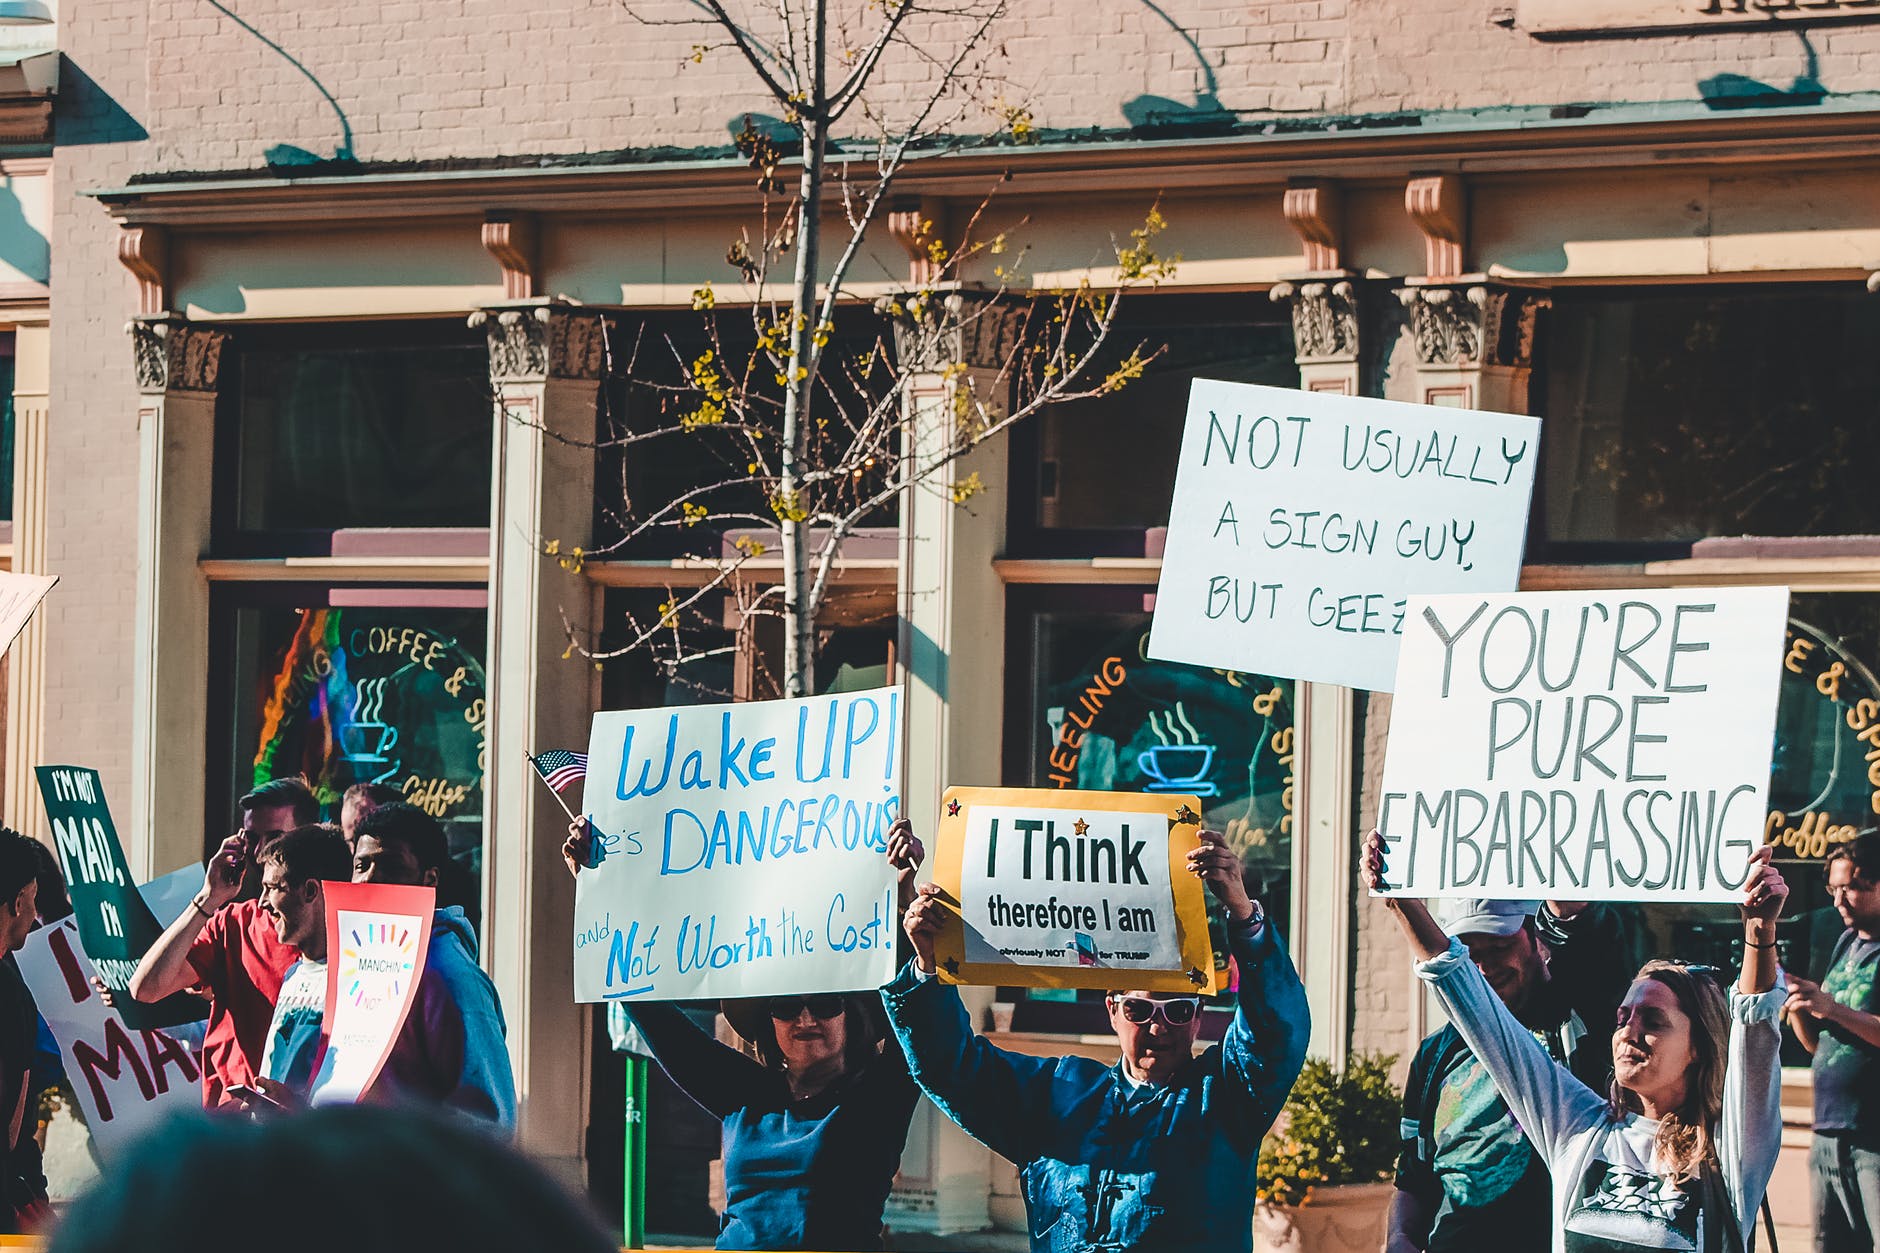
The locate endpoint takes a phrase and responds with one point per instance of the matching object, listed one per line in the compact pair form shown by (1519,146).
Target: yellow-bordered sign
(1062,889)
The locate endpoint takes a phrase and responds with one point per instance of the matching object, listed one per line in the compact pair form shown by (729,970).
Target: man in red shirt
(225,945)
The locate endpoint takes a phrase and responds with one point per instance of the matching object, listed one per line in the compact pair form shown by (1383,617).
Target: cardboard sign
(115,924)
(1064,889)
(1583,745)
(20,595)
(126,1080)
(377,936)
(741,850)
(1302,521)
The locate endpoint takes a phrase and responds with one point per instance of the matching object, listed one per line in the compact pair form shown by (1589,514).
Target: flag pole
(551,791)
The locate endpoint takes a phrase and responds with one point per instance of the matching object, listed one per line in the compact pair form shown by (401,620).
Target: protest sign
(1609,745)
(126,1080)
(115,924)
(377,935)
(1063,889)
(1302,520)
(20,595)
(740,850)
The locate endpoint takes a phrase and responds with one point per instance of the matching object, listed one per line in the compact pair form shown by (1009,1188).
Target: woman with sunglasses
(1677,1152)
(815,1126)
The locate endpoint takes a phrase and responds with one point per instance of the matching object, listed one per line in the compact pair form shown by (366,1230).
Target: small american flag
(559,768)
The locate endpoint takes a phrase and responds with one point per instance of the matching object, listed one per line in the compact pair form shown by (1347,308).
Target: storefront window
(1678,414)
(1091,476)
(6,428)
(381,425)
(1097,713)
(344,692)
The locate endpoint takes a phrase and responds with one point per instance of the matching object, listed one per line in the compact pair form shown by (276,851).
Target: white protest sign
(377,935)
(1610,745)
(20,594)
(741,849)
(126,1081)
(1302,520)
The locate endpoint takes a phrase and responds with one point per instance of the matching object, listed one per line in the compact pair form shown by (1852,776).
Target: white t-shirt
(293,1044)
(1608,1196)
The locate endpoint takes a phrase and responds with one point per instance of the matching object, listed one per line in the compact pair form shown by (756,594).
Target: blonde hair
(1684,1143)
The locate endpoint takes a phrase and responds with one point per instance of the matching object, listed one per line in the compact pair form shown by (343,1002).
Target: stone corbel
(511,239)
(1324,318)
(145,252)
(917,227)
(1439,205)
(533,343)
(1316,212)
(172,355)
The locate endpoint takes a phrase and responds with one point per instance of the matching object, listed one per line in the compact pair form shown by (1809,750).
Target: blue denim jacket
(1106,1164)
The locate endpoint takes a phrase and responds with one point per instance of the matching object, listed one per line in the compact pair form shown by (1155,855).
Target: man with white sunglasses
(1155,1152)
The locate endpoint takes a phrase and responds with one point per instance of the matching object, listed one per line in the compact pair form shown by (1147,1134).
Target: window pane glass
(1101,715)
(6,433)
(355,695)
(380,435)
(1676,415)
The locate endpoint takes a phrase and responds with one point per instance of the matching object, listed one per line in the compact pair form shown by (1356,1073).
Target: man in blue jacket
(1156,1152)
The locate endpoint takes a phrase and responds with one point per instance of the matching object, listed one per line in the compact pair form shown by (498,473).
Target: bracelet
(1749,943)
(197,905)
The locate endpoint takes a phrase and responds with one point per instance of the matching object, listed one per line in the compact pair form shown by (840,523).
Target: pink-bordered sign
(377,936)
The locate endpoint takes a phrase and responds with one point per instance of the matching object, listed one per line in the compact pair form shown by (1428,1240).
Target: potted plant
(1324,1169)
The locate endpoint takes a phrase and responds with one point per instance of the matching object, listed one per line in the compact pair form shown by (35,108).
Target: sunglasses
(1176,1012)
(790,1008)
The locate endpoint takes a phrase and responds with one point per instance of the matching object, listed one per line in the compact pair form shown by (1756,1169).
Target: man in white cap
(1467,1178)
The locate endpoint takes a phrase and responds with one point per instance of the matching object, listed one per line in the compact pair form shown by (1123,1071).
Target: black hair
(315,851)
(1864,852)
(371,795)
(291,791)
(19,863)
(196,1183)
(408,825)
(54,901)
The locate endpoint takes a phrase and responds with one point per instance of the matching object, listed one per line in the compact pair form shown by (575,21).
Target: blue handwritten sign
(740,849)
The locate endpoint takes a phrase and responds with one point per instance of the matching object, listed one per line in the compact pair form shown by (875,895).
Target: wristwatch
(1258,918)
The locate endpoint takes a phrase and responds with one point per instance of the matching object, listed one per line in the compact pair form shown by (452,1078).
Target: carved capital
(1316,212)
(1479,325)
(511,239)
(541,342)
(1324,318)
(172,355)
(917,227)
(975,329)
(1439,205)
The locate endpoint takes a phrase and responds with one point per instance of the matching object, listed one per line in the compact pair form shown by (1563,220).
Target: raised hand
(579,846)
(1765,891)
(223,881)
(905,854)
(921,921)
(1218,866)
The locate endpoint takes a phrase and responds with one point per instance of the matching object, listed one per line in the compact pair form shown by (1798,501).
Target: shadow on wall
(286,158)
(1735,91)
(1153,114)
(21,244)
(85,113)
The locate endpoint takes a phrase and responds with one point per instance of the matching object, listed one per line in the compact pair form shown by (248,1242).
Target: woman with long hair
(813,1126)
(1678,1150)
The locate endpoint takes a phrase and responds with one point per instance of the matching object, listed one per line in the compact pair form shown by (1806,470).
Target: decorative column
(26,660)
(1474,343)
(545,369)
(952,653)
(177,372)
(1323,297)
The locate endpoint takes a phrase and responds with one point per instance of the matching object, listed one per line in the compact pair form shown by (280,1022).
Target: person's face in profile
(20,917)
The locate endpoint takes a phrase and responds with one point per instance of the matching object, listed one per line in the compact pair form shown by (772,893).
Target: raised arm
(1749,1131)
(718,1078)
(165,968)
(1549,1103)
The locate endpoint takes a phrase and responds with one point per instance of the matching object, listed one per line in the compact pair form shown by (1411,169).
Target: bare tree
(815,431)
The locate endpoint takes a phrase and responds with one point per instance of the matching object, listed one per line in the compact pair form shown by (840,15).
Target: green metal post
(633,1234)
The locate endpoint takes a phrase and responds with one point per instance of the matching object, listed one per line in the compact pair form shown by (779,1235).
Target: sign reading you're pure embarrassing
(1608,745)
(1057,888)
(1302,521)
(740,850)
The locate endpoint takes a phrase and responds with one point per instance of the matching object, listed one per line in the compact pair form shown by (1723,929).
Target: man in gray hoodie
(451,1050)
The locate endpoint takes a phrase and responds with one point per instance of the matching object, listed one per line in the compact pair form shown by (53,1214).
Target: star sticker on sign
(1080,826)
(953,809)
(1187,814)
(953,965)
(1196,977)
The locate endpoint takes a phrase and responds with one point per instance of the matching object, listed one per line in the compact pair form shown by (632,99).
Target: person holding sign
(1678,1152)
(814,1129)
(1156,1152)
(292,872)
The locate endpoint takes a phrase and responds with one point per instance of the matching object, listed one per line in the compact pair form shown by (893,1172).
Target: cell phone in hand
(255,1096)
